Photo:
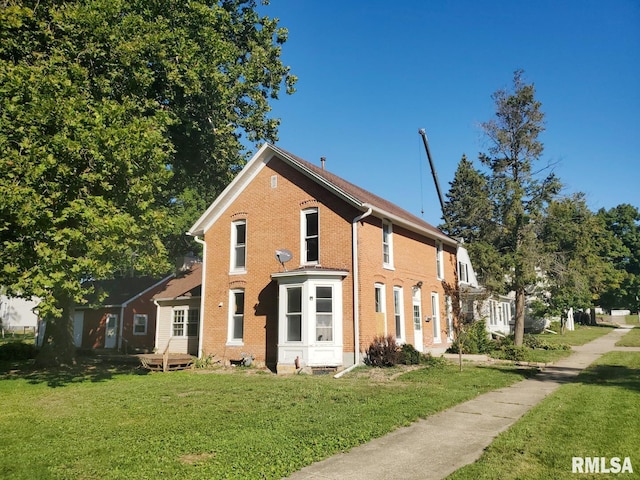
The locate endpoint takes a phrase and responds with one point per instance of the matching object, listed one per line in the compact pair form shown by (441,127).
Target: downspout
(202,293)
(356,285)
(122,307)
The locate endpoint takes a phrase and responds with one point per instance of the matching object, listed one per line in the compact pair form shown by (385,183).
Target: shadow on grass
(611,375)
(85,370)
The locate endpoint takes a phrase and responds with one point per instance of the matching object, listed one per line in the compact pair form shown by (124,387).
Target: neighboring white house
(18,314)
(478,304)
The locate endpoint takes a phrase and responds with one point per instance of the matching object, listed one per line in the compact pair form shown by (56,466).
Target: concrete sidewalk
(439,445)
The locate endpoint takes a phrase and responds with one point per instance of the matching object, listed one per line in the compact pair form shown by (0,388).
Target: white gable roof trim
(259,161)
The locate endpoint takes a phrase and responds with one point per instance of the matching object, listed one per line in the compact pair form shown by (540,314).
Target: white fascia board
(231,192)
(318,179)
(311,274)
(411,226)
(127,302)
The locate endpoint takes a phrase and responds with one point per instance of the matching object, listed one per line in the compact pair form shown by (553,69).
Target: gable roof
(184,285)
(121,291)
(356,196)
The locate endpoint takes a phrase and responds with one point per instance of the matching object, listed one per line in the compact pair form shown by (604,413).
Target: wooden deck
(167,362)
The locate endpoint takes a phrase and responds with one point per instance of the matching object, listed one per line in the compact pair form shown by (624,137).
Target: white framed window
(239,246)
(435,316)
(387,244)
(185,322)
(324,313)
(463,272)
(398,313)
(140,321)
(439,260)
(506,313)
(379,297)
(449,305)
(294,314)
(493,312)
(236,317)
(310,232)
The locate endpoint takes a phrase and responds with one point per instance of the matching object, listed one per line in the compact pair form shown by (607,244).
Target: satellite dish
(283,256)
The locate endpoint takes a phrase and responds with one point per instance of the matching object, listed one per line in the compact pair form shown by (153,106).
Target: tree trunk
(519,325)
(58,347)
(592,316)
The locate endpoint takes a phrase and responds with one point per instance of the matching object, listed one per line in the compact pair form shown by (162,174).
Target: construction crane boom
(423,134)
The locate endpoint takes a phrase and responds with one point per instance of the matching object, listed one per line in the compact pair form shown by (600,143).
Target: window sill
(235,343)
(388,267)
(238,272)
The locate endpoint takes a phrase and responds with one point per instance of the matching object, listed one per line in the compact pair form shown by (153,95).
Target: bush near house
(17,350)
(475,340)
(384,351)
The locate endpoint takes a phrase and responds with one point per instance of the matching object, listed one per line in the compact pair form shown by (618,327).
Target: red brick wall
(273,222)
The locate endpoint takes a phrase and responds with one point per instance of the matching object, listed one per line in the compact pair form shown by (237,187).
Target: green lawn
(631,339)
(99,424)
(581,335)
(596,416)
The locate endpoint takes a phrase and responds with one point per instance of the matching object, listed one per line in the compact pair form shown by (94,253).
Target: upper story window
(236,316)
(439,260)
(239,246)
(463,272)
(310,236)
(387,244)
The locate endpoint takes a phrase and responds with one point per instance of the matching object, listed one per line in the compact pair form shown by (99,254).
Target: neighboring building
(178,312)
(124,320)
(478,304)
(303,269)
(18,314)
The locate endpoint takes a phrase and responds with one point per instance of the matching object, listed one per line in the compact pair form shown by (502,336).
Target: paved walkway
(442,443)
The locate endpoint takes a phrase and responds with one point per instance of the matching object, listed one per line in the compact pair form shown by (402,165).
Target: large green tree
(623,222)
(509,252)
(118,121)
(577,270)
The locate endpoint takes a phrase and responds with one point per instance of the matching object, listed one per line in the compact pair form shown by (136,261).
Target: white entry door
(417,321)
(111,327)
(78,321)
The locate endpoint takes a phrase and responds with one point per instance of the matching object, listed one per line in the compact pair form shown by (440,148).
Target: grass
(596,416)
(630,339)
(97,422)
(581,335)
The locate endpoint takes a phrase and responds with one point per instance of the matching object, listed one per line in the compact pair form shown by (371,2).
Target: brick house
(302,269)
(124,320)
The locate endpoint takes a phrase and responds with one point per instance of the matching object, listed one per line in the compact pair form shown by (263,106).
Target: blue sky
(371,73)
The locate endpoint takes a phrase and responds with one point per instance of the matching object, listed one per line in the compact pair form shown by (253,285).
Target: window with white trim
(398,312)
(439,260)
(185,322)
(239,246)
(294,314)
(310,236)
(435,316)
(324,313)
(463,272)
(140,321)
(379,297)
(387,244)
(236,316)
(450,327)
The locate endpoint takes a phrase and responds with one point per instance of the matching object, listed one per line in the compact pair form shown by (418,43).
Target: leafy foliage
(474,340)
(383,352)
(17,351)
(623,251)
(119,120)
